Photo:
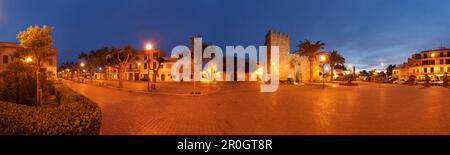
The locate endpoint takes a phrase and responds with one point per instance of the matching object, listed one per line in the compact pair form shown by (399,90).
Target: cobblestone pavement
(239,108)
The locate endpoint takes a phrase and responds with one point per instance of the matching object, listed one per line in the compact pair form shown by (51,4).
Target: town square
(99,72)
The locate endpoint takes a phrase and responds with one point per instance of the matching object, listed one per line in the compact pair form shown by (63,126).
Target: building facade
(139,69)
(7,49)
(434,63)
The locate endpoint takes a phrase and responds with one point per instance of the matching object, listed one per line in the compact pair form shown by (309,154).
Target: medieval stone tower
(283,41)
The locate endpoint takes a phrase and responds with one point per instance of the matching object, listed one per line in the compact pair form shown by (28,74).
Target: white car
(436,82)
(400,81)
(421,82)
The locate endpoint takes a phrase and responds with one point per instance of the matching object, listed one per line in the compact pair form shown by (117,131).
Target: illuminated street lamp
(433,55)
(323,60)
(214,68)
(148,48)
(139,70)
(29,59)
(83,73)
(260,72)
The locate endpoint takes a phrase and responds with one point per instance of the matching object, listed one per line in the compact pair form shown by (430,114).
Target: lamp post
(214,68)
(139,70)
(82,74)
(323,59)
(148,48)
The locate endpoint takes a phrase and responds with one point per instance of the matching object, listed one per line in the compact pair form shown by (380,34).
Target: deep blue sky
(365,32)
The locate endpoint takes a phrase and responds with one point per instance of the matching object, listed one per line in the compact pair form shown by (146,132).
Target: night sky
(366,32)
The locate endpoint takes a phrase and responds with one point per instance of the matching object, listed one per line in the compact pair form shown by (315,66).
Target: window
(448,54)
(425,70)
(5,59)
(432,70)
(432,62)
(441,61)
(417,56)
(424,62)
(145,57)
(425,56)
(441,54)
(145,66)
(130,67)
(447,61)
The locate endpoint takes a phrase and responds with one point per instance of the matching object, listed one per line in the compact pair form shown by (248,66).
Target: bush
(18,85)
(76,115)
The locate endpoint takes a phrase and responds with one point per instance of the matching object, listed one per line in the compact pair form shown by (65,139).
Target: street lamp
(323,59)
(28,59)
(83,73)
(214,68)
(148,48)
(139,70)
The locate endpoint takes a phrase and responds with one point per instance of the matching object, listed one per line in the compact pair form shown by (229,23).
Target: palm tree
(310,50)
(335,58)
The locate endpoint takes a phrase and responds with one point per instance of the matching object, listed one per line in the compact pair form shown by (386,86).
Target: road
(239,108)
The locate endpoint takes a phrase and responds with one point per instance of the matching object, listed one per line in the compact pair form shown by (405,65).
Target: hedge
(75,115)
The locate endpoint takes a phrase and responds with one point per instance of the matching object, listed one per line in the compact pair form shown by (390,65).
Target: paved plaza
(239,108)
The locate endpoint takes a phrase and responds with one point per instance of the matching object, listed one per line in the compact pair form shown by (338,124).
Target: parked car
(436,82)
(400,81)
(421,82)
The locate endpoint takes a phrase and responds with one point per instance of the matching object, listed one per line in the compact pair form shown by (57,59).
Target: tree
(94,59)
(335,58)
(372,72)
(340,66)
(120,58)
(389,70)
(37,43)
(155,70)
(68,66)
(310,50)
(364,73)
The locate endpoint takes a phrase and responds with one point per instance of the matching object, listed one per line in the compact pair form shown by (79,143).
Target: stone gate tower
(283,41)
